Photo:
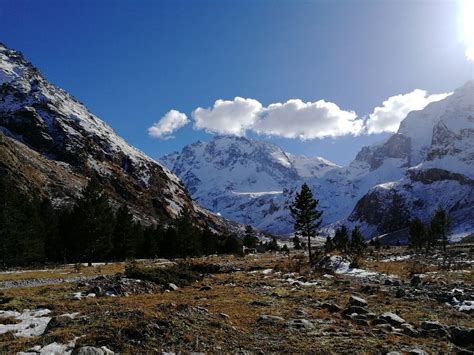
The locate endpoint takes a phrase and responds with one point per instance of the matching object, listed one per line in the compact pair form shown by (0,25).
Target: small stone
(415,281)
(331,307)
(357,301)
(269,319)
(400,293)
(300,324)
(417,352)
(435,329)
(393,318)
(205,288)
(355,309)
(409,330)
(172,287)
(223,315)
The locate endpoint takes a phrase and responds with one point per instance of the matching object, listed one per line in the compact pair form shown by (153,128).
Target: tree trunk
(309,251)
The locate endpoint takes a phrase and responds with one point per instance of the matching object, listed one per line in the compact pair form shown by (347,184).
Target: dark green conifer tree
(93,223)
(250,240)
(306,216)
(341,239)
(417,234)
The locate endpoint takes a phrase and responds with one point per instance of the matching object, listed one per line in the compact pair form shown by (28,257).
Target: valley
(258,303)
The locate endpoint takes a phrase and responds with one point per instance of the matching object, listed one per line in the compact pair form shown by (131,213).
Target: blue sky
(131,62)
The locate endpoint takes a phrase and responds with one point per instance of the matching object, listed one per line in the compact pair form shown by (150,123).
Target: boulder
(435,329)
(462,336)
(415,280)
(393,318)
(331,307)
(303,324)
(357,301)
(270,319)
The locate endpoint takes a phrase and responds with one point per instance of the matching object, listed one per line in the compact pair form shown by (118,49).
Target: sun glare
(468,27)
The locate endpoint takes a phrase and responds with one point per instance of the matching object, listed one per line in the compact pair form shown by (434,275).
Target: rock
(205,288)
(415,280)
(301,312)
(90,350)
(172,287)
(393,318)
(300,324)
(393,353)
(269,319)
(417,352)
(260,304)
(462,336)
(223,315)
(357,301)
(409,330)
(355,309)
(434,329)
(96,290)
(400,293)
(331,307)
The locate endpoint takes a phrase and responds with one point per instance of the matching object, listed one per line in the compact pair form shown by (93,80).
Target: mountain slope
(428,163)
(243,179)
(54,131)
(441,138)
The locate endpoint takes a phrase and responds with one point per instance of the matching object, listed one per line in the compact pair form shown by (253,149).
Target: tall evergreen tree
(439,227)
(250,240)
(188,243)
(22,232)
(296,242)
(124,235)
(93,223)
(417,234)
(357,246)
(306,216)
(341,239)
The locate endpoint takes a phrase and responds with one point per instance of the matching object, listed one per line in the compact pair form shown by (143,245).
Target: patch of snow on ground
(396,258)
(341,266)
(32,323)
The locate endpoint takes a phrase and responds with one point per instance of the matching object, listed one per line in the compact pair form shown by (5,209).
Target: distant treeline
(32,231)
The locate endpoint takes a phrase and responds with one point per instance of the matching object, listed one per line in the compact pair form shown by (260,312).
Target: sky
(319,78)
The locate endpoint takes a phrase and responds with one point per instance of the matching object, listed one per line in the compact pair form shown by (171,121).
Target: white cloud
(172,121)
(387,118)
(295,118)
(228,117)
(307,120)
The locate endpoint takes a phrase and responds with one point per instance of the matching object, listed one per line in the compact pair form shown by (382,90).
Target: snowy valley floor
(259,303)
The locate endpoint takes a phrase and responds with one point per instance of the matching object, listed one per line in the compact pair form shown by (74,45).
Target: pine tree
(341,239)
(250,240)
(124,236)
(21,230)
(417,234)
(307,217)
(296,242)
(273,245)
(93,224)
(186,235)
(439,227)
(357,246)
(208,241)
(328,245)
(52,241)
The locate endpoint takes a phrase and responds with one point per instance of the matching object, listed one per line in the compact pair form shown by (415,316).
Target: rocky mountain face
(52,144)
(440,173)
(428,163)
(244,180)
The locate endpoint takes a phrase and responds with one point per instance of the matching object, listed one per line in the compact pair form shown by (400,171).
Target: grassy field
(220,311)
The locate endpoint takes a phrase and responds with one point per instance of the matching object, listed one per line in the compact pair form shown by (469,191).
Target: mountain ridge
(439,137)
(43,119)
